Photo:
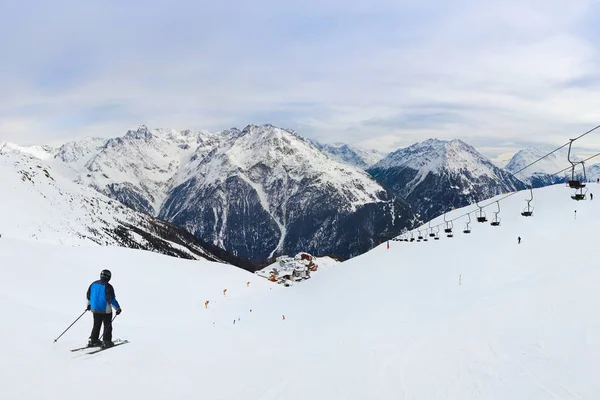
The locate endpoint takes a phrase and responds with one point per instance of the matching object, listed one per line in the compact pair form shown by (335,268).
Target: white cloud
(382,73)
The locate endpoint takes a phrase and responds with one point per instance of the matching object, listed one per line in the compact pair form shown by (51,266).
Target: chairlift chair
(573,182)
(528,211)
(496,221)
(431,234)
(467,228)
(481,217)
(420,237)
(449,226)
(580,194)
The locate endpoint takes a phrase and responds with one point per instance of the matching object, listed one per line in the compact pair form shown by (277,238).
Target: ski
(108,348)
(83,348)
(94,347)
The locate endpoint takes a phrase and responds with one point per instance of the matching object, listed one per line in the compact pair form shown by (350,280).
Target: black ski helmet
(105,274)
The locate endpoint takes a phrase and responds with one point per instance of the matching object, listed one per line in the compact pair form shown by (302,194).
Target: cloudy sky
(500,75)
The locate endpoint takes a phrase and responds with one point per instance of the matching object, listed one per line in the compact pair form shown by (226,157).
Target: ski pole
(111,321)
(61,335)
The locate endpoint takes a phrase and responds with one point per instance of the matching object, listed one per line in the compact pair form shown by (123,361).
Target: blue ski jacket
(101,296)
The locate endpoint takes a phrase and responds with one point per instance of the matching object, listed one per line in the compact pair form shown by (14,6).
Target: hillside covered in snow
(476,316)
(39,203)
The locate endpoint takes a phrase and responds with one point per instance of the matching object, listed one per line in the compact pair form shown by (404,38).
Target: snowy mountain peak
(549,165)
(440,175)
(141,133)
(436,155)
(352,155)
(284,181)
(542,173)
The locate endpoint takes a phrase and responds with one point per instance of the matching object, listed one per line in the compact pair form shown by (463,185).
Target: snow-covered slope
(39,203)
(359,157)
(473,317)
(435,176)
(265,191)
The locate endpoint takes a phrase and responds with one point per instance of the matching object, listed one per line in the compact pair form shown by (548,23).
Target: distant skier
(591,196)
(206,304)
(224,292)
(519,240)
(101,299)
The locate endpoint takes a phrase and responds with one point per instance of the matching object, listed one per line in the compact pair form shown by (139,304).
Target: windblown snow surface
(391,324)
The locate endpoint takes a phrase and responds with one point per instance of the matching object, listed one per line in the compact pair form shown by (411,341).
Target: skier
(591,196)
(101,297)
(519,240)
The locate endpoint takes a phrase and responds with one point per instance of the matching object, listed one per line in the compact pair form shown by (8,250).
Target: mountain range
(258,192)
(263,191)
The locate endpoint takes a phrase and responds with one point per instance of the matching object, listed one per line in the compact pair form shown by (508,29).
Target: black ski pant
(99,319)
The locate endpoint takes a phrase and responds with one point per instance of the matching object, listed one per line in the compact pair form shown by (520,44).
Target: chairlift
(420,237)
(528,212)
(412,237)
(580,194)
(448,228)
(573,182)
(496,221)
(437,233)
(581,190)
(467,228)
(481,217)
(431,234)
